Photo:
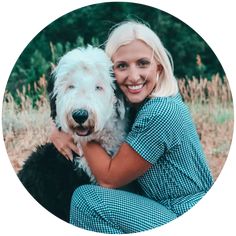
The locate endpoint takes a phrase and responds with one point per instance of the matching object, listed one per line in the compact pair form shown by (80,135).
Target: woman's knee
(81,191)
(78,200)
(86,203)
(86,197)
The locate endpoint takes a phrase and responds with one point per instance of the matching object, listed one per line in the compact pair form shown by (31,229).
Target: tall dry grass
(210,102)
(211,105)
(25,126)
(201,90)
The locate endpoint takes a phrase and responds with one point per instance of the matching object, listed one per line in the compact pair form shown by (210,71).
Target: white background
(20,21)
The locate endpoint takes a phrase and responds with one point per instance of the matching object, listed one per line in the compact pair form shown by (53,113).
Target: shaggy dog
(84,102)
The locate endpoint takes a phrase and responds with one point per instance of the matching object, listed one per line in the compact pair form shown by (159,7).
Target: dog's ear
(51,96)
(120,108)
(120,102)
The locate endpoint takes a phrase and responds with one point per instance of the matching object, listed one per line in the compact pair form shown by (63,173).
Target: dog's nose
(80,116)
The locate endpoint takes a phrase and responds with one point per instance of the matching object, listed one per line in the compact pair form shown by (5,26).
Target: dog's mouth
(83,130)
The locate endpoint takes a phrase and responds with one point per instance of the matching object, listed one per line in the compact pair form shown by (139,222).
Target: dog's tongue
(81,131)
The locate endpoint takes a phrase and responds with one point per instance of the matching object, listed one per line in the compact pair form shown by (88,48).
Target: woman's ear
(159,68)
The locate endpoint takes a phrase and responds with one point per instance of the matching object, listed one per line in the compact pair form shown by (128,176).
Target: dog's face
(84,91)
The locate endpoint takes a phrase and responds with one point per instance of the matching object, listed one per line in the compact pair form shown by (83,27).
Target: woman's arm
(125,166)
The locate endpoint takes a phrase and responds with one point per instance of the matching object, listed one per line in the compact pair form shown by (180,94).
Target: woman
(162,151)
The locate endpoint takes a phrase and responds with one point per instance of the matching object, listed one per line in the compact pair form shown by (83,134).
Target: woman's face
(135,70)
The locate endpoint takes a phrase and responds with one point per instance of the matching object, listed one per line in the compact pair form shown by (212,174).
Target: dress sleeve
(156,135)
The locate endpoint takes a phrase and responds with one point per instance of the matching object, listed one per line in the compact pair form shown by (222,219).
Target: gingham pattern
(163,134)
(116,212)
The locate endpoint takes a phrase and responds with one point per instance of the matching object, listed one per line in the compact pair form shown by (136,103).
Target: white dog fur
(83,80)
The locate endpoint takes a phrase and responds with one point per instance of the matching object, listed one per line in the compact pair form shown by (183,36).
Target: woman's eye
(98,88)
(121,66)
(143,63)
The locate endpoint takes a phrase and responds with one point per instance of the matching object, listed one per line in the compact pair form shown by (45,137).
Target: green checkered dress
(164,135)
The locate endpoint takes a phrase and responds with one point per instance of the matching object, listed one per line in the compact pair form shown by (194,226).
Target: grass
(215,127)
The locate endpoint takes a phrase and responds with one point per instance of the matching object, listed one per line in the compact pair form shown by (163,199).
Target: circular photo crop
(117,118)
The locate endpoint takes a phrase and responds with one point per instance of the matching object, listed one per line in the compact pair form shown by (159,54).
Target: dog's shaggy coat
(84,103)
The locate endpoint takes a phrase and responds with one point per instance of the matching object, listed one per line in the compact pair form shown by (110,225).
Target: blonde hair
(126,32)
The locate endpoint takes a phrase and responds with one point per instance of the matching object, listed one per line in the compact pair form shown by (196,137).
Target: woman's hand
(63,143)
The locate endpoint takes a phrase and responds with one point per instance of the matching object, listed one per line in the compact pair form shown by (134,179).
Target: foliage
(90,25)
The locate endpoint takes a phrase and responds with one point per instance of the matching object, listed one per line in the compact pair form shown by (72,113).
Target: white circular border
(20,21)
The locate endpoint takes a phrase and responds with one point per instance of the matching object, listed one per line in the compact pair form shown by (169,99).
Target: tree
(91,25)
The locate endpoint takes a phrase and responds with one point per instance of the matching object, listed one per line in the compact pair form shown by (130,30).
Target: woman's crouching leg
(115,211)
(88,211)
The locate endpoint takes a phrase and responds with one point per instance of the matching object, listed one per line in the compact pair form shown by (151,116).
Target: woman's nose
(134,74)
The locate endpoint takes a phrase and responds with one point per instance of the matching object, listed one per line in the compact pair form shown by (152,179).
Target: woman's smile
(135,70)
(135,89)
